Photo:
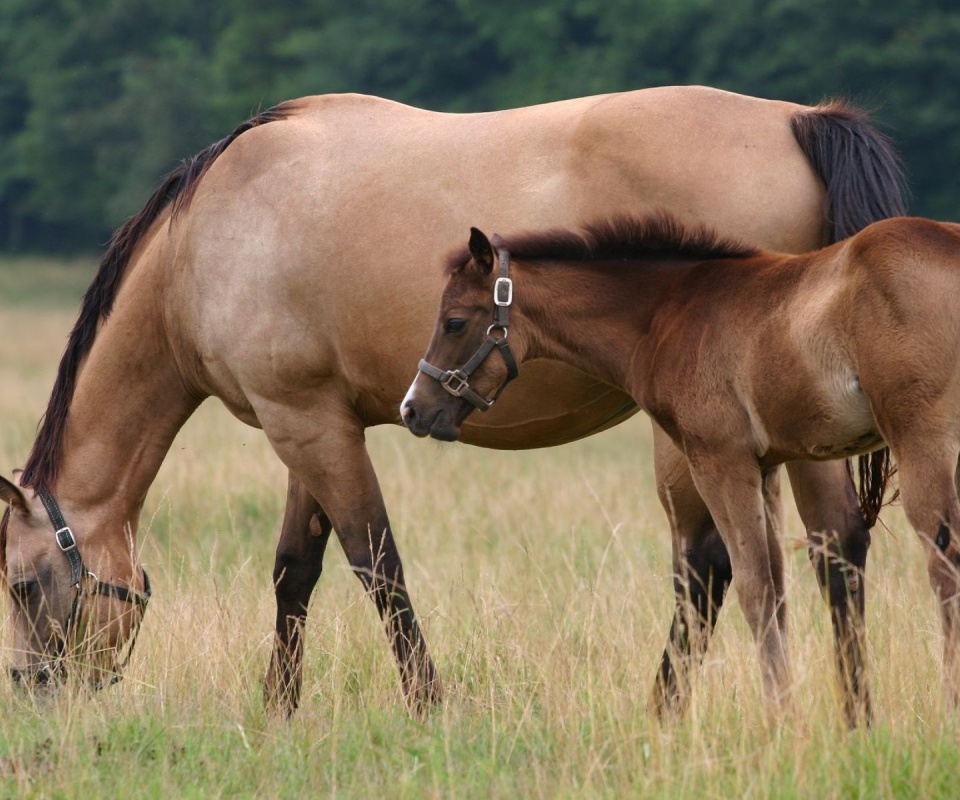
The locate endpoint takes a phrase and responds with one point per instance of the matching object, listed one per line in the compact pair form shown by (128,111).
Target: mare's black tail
(864,180)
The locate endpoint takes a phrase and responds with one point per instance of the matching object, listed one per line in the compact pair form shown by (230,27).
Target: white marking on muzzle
(408,397)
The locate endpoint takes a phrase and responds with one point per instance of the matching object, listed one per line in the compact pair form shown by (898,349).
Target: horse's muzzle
(41,676)
(437,423)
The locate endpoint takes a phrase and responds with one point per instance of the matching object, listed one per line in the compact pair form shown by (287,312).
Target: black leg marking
(943,538)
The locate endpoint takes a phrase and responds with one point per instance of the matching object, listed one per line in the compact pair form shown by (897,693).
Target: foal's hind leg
(839,540)
(303,540)
(928,489)
(701,575)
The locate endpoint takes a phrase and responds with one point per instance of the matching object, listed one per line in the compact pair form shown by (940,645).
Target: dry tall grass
(543,581)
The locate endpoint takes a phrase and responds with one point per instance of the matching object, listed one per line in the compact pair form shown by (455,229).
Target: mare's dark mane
(176,189)
(653,234)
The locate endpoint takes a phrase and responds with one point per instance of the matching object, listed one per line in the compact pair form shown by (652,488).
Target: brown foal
(746,358)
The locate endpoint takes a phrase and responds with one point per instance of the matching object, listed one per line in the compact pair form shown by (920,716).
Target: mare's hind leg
(928,488)
(839,540)
(701,575)
(324,444)
(303,540)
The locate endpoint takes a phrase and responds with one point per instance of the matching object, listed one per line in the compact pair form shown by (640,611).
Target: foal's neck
(595,316)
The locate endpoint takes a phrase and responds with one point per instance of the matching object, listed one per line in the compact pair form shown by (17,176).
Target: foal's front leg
(731,484)
(701,575)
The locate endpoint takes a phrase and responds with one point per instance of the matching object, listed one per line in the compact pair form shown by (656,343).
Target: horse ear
(481,250)
(10,493)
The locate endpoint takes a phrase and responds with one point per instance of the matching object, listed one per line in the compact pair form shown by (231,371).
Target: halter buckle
(503,292)
(65,539)
(455,382)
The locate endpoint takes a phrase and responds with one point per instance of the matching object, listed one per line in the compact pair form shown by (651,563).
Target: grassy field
(543,581)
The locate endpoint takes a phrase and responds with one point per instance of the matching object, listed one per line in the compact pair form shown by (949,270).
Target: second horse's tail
(864,181)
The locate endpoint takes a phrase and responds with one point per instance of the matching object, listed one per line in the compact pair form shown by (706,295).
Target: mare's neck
(127,407)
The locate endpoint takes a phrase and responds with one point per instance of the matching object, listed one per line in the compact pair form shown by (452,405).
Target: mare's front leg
(732,484)
(701,575)
(299,560)
(324,444)
(839,540)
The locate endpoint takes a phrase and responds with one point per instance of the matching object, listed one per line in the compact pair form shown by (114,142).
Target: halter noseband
(457,381)
(67,543)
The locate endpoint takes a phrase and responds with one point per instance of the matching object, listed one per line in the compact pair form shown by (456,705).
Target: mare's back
(333,224)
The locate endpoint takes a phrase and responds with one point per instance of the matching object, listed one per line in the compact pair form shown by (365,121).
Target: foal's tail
(864,182)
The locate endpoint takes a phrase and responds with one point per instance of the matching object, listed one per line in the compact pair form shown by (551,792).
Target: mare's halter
(457,381)
(67,543)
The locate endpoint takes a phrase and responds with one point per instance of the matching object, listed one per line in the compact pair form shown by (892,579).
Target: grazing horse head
(77,598)
(474,325)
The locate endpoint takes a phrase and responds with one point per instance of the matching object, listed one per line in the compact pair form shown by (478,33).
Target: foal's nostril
(409,414)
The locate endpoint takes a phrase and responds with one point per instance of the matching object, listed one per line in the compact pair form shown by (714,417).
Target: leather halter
(457,381)
(67,543)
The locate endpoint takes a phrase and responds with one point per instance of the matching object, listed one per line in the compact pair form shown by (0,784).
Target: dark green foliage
(99,99)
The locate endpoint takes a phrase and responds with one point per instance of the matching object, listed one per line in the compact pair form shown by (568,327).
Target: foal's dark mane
(656,233)
(176,190)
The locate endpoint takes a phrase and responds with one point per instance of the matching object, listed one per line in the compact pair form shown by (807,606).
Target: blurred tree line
(99,98)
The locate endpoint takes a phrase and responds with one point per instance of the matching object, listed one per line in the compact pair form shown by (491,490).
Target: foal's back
(850,335)
(903,313)
(795,357)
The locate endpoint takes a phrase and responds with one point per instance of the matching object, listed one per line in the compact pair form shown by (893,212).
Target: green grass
(543,581)
(32,282)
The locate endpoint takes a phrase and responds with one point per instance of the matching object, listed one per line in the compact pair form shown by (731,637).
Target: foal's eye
(454,325)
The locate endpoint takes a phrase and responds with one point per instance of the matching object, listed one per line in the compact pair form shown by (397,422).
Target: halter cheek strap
(67,543)
(65,539)
(457,381)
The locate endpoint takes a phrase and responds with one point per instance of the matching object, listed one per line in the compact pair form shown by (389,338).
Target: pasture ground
(543,582)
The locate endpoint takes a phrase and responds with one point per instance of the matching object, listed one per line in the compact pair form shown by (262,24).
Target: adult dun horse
(746,358)
(256,274)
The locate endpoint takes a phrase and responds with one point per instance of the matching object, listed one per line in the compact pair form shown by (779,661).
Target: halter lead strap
(457,381)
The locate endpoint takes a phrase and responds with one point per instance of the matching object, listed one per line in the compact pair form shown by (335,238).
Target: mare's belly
(549,404)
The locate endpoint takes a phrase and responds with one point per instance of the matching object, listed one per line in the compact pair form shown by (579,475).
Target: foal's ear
(481,250)
(10,493)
